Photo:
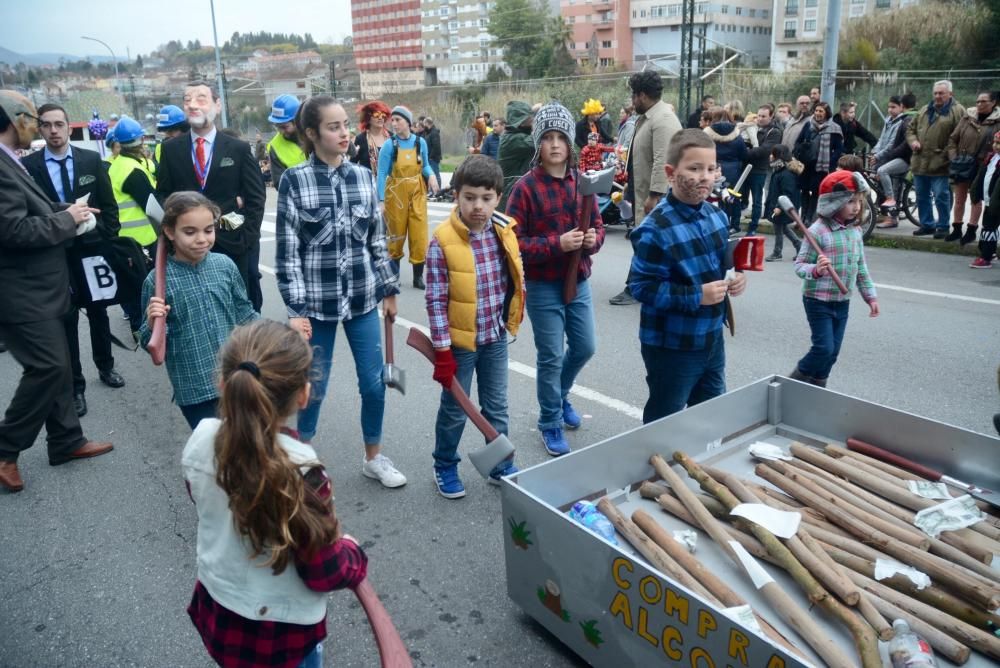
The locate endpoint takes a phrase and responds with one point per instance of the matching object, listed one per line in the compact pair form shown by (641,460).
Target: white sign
(101,279)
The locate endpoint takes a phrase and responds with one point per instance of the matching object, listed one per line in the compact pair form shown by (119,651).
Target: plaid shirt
(678,248)
(332,260)
(491,288)
(237,642)
(546,208)
(207,301)
(845,247)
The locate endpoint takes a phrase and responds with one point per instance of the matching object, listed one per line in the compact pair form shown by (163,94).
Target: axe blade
(394,377)
(485,459)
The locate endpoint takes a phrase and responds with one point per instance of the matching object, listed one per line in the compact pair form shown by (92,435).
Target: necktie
(67,188)
(200,155)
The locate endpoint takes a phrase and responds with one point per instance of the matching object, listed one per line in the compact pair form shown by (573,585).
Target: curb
(901,241)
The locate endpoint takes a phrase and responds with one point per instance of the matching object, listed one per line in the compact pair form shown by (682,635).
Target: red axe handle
(572,269)
(157,345)
(794,215)
(390,646)
(878,453)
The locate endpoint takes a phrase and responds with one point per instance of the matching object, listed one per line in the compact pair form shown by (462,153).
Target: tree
(530,37)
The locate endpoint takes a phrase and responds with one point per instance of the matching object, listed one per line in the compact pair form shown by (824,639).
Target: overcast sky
(55,26)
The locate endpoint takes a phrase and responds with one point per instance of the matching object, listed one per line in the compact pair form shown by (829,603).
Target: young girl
(206,299)
(784,182)
(333,267)
(836,232)
(986,188)
(269,543)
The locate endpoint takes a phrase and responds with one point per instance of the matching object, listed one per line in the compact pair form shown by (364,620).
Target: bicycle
(906,201)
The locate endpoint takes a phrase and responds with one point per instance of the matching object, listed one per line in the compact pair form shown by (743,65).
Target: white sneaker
(380,468)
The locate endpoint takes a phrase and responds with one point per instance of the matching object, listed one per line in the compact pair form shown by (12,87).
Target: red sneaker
(980,263)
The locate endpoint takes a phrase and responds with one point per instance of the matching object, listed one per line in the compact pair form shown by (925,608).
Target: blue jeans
(827,322)
(436,168)
(490,365)
(364,335)
(756,183)
(564,340)
(314,659)
(195,413)
(938,188)
(733,210)
(679,378)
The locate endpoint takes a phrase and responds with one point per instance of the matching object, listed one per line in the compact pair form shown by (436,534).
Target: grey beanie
(553,116)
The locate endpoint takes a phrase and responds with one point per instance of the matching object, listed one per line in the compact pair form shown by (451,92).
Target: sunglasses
(378,114)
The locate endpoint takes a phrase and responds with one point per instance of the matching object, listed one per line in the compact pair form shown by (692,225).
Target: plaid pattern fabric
(678,248)
(844,245)
(545,208)
(207,301)
(491,289)
(332,259)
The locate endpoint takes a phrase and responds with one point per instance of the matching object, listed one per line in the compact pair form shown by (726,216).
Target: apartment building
(457,46)
(741,24)
(601,37)
(799,26)
(387,45)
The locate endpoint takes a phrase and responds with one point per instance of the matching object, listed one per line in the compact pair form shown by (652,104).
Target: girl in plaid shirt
(836,232)
(269,543)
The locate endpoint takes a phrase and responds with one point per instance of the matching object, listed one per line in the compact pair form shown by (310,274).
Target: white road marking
(943,295)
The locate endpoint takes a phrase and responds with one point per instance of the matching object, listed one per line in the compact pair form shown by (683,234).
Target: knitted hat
(593,136)
(552,116)
(837,189)
(403,112)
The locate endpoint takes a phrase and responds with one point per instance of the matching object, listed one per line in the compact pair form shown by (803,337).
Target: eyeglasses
(24,113)
(986,101)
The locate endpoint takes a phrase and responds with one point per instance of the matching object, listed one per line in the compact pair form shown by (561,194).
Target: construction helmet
(110,138)
(128,131)
(170,116)
(284,108)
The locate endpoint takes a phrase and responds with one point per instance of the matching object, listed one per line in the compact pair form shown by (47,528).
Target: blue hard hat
(128,130)
(170,116)
(110,138)
(284,108)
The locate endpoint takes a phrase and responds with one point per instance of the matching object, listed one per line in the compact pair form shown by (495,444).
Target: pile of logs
(854,510)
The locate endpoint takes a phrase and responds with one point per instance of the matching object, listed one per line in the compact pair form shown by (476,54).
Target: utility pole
(333,77)
(218,69)
(831,39)
(687,58)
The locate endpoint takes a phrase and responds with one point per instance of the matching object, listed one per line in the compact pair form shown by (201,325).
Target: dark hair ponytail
(308,117)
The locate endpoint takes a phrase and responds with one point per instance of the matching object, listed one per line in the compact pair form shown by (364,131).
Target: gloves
(444,367)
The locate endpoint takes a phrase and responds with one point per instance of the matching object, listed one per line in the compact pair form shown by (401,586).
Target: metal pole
(831,39)
(113,60)
(218,69)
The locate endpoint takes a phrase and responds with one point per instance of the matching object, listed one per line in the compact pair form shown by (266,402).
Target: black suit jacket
(232,172)
(34,278)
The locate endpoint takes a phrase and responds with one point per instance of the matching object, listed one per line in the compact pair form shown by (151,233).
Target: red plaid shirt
(237,642)
(546,208)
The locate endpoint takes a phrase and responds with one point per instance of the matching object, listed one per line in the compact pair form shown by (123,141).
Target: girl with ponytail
(269,543)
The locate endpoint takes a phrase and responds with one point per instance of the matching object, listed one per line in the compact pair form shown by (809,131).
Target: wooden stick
(939,640)
(864,636)
(960,579)
(776,499)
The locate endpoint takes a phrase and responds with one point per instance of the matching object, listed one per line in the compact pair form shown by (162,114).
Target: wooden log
(944,644)
(865,640)
(776,499)
(959,579)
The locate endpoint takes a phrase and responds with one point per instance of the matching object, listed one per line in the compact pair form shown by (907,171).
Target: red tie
(200,154)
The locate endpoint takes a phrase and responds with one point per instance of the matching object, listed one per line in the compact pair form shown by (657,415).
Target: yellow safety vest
(453,237)
(288,152)
(131,214)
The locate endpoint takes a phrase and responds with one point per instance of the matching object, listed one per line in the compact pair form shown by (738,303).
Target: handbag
(962,168)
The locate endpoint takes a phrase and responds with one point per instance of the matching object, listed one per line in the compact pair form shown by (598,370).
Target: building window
(790,29)
(791,7)
(753,12)
(607,62)
(809,26)
(793,54)
(725,9)
(572,19)
(483,23)
(882,4)
(763,13)
(739,11)
(443,11)
(643,31)
(812,3)
(606,44)
(452,25)
(701,8)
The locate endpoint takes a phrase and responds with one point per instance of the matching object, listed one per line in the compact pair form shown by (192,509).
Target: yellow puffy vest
(131,214)
(453,238)
(288,152)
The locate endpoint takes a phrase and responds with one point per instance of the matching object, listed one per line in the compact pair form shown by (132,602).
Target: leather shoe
(88,449)
(111,378)
(10,479)
(80,404)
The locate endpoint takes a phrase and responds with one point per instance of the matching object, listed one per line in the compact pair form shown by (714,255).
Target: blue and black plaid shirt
(679,247)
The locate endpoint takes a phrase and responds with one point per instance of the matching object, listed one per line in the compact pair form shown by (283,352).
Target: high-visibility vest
(288,152)
(131,214)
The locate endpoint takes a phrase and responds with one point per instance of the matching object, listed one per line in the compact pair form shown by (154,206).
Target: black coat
(783,182)
(433,139)
(760,156)
(853,130)
(583,131)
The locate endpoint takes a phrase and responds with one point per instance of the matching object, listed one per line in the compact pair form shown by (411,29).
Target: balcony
(603,23)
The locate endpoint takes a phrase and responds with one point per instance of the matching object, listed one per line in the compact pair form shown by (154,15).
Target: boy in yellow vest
(475,296)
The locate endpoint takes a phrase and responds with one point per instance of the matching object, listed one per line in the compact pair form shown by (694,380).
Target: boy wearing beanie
(403,166)
(836,232)
(546,203)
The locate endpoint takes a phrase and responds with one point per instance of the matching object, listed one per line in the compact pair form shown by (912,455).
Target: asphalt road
(97,560)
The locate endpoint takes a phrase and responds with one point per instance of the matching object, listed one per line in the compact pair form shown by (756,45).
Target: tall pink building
(600,31)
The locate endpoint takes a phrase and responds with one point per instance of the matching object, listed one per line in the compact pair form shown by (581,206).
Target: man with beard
(223,169)
(283,150)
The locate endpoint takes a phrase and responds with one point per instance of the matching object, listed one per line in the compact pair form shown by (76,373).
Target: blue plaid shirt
(678,248)
(332,258)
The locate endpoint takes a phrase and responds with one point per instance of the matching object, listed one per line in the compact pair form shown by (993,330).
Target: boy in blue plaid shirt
(679,277)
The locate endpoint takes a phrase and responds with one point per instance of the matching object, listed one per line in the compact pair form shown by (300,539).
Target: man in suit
(67,173)
(224,170)
(33,302)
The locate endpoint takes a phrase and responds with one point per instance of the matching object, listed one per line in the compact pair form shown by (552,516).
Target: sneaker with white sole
(449,485)
(555,442)
(980,263)
(380,468)
(571,419)
(503,469)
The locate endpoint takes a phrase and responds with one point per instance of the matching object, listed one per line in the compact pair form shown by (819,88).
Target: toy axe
(498,447)
(786,205)
(392,375)
(157,345)
(588,185)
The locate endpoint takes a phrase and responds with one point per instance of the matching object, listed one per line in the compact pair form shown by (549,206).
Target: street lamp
(113,59)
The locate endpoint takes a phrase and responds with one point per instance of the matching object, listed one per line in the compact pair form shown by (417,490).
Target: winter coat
(932,157)
(653,132)
(900,148)
(853,130)
(886,140)
(760,156)
(794,129)
(516,148)
(491,145)
(972,136)
(433,139)
(784,181)
(730,150)
(583,130)
(811,177)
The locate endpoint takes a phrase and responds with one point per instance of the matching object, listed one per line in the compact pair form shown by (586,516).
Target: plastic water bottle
(587,514)
(908,650)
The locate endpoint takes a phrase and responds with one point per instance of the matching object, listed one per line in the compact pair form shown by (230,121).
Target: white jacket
(241,584)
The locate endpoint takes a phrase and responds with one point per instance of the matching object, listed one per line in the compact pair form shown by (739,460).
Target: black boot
(818,382)
(956,232)
(798,375)
(970,235)
(418,276)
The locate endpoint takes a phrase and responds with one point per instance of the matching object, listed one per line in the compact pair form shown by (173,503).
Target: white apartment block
(740,24)
(457,46)
(799,26)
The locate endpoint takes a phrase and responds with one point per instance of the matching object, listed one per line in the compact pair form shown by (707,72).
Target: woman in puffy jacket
(731,154)
(968,147)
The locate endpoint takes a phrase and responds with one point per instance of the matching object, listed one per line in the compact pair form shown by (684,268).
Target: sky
(139,26)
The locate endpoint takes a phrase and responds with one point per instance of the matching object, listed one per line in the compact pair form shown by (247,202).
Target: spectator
(794,127)
(624,114)
(730,153)
(592,155)
(371,121)
(815,95)
(768,136)
(968,147)
(516,147)
(705,120)
(784,183)
(818,148)
(491,145)
(987,186)
(850,127)
(892,156)
(418,127)
(595,119)
(476,134)
(694,120)
(432,135)
(928,135)
(259,148)
(783,114)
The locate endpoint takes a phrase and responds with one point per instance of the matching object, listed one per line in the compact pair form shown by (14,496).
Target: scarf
(933,112)
(823,131)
